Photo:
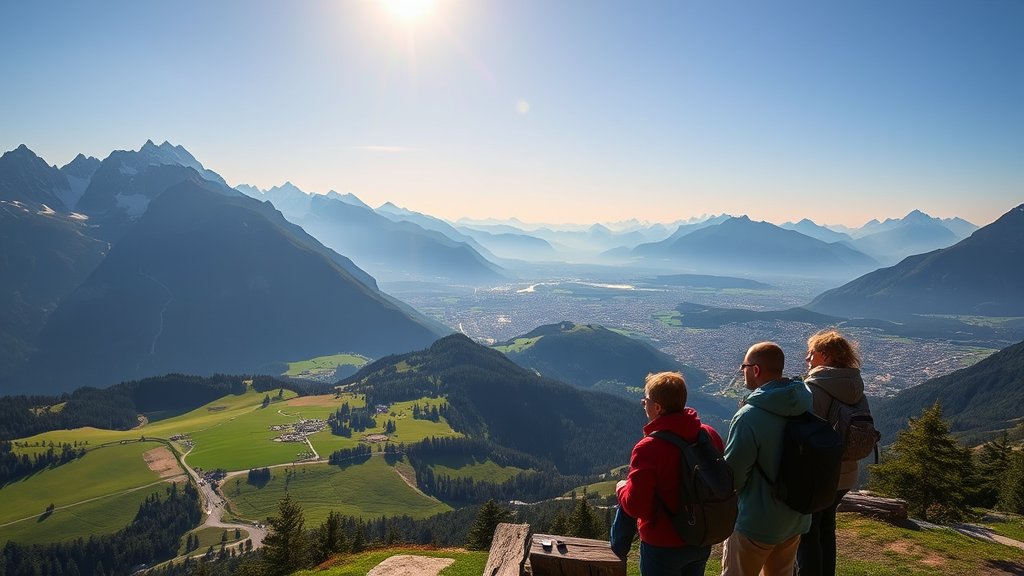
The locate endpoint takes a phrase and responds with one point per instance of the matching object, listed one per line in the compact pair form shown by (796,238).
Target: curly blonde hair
(842,353)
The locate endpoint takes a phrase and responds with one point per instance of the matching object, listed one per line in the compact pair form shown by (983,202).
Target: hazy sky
(546,110)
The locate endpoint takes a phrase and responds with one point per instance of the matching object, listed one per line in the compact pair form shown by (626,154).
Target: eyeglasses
(745,366)
(644,401)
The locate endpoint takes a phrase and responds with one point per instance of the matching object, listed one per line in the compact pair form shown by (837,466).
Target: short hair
(667,389)
(769,356)
(842,353)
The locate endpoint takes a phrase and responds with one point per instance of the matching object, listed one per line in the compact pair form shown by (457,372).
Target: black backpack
(707,495)
(812,453)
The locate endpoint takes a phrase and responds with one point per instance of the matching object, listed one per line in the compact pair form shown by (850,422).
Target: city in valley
(504,312)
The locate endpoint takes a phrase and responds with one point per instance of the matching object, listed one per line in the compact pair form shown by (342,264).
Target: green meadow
(480,471)
(100,472)
(369,487)
(105,515)
(670,318)
(96,494)
(325,363)
(212,537)
(518,345)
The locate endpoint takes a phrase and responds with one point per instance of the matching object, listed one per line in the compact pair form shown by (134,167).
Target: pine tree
(284,548)
(359,537)
(993,462)
(1011,496)
(330,537)
(487,519)
(927,468)
(560,524)
(583,523)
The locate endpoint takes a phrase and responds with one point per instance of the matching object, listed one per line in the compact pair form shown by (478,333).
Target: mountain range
(740,245)
(391,249)
(162,267)
(977,276)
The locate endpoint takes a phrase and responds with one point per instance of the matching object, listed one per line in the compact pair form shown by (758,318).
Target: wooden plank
(575,557)
(508,550)
(890,510)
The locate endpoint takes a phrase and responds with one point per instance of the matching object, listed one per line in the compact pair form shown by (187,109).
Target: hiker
(654,473)
(767,530)
(833,365)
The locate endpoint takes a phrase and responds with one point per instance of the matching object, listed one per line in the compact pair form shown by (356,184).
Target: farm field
(369,488)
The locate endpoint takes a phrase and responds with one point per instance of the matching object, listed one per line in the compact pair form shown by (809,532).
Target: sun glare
(409,9)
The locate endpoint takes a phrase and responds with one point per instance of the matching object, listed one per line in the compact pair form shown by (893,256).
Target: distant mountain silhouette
(397,214)
(208,283)
(579,431)
(893,240)
(592,356)
(979,401)
(979,275)
(809,228)
(521,246)
(741,245)
(395,250)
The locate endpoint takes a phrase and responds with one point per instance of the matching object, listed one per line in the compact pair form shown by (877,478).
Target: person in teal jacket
(767,530)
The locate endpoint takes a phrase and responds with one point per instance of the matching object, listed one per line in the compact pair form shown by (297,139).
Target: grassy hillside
(370,487)
(96,494)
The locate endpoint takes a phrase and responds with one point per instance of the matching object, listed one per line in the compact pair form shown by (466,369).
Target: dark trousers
(816,555)
(679,561)
(656,560)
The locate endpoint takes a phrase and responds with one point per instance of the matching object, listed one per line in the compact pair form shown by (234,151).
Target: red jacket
(654,469)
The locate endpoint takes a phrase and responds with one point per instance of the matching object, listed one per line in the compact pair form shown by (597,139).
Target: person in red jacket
(654,473)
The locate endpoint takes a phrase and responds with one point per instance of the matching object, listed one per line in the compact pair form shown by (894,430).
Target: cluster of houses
(298,431)
(183,439)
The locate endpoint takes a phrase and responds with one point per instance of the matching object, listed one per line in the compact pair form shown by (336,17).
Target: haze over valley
(290,286)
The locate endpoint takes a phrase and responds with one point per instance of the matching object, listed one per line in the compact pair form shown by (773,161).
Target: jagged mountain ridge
(212,283)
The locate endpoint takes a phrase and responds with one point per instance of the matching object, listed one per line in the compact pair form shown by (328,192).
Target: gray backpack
(856,427)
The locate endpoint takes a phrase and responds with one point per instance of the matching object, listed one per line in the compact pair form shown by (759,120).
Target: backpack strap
(683,447)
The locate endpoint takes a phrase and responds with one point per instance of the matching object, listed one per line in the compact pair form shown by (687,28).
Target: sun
(409,9)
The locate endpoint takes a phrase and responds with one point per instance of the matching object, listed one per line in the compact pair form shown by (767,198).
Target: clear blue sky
(547,110)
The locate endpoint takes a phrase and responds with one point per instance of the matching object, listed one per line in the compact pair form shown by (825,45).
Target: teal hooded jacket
(755,435)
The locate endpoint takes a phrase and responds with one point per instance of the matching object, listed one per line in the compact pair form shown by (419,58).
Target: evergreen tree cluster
(432,413)
(153,536)
(346,419)
(941,480)
(346,454)
(258,476)
(13,467)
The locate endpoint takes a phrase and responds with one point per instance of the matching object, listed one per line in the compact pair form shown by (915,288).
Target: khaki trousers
(742,556)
